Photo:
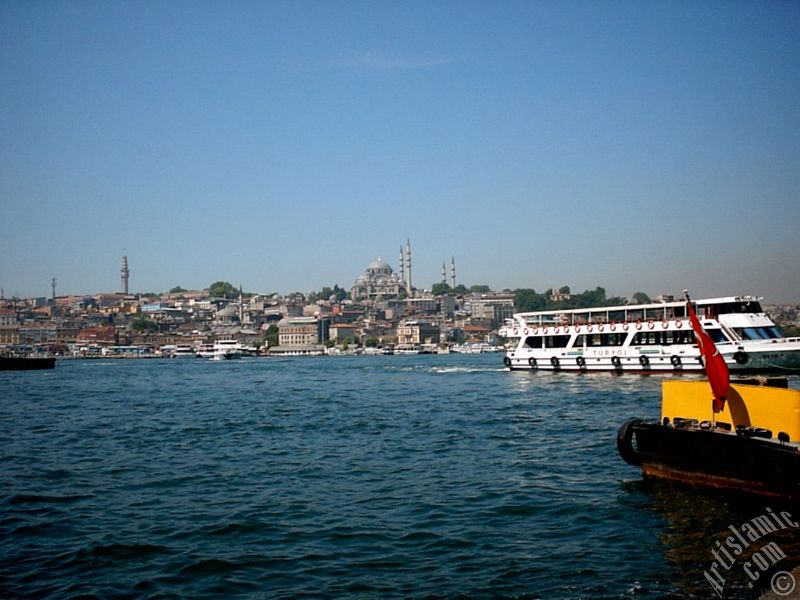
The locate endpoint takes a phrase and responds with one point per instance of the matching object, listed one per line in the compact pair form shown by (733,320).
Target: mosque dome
(379,266)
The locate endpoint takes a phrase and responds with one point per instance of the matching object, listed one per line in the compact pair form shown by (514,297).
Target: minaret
(444,273)
(408,267)
(453,272)
(402,267)
(241,305)
(53,309)
(125,274)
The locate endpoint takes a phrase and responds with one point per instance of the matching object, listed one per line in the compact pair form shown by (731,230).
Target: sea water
(368,477)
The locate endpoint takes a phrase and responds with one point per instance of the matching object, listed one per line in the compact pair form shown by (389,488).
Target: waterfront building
(491,308)
(33,333)
(9,327)
(417,333)
(339,332)
(103,335)
(298,331)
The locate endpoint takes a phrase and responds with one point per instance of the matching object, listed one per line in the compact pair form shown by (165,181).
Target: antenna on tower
(453,272)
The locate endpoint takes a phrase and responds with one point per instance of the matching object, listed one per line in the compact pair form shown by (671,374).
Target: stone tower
(125,274)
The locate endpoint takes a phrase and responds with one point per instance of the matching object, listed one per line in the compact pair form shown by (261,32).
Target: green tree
(440,289)
(480,289)
(177,290)
(143,324)
(222,289)
(640,298)
(372,342)
(271,339)
(527,300)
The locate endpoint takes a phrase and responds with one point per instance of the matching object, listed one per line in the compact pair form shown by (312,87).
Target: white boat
(205,351)
(655,337)
(183,351)
(226,350)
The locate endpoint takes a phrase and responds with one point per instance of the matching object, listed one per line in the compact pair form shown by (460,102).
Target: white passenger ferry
(654,337)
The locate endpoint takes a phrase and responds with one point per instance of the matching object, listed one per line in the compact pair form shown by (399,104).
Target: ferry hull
(712,458)
(679,361)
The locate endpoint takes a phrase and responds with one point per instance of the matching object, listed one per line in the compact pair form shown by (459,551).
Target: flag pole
(697,343)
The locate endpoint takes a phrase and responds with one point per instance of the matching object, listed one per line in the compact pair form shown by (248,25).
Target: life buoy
(678,323)
(555,329)
(616,362)
(625,326)
(651,324)
(664,323)
(555,362)
(581,362)
(507,362)
(625,443)
(516,330)
(544,330)
(600,327)
(589,328)
(532,361)
(639,325)
(526,331)
(535,330)
(613,326)
(741,357)
(644,361)
(675,360)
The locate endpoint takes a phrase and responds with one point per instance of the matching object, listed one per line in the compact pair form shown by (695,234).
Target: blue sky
(640,146)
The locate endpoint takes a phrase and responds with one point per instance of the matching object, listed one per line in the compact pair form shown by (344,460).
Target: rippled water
(403,476)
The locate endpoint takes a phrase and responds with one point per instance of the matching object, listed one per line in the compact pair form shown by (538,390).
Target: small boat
(226,350)
(747,438)
(26,363)
(205,351)
(752,445)
(183,351)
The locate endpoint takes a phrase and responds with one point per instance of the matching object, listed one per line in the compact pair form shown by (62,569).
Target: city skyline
(649,147)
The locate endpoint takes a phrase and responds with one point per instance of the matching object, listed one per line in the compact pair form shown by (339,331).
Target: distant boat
(226,350)
(24,363)
(183,351)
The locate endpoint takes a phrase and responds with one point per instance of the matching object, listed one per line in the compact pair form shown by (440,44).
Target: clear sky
(638,146)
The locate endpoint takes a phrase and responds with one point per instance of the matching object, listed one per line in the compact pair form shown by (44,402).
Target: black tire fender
(625,443)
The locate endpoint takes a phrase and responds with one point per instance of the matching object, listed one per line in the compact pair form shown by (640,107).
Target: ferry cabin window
(663,338)
(556,341)
(594,340)
(533,342)
(716,335)
(738,307)
(758,333)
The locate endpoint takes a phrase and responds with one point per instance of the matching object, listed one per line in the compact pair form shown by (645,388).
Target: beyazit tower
(125,273)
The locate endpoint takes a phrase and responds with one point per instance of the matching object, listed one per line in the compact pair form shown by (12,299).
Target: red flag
(716,369)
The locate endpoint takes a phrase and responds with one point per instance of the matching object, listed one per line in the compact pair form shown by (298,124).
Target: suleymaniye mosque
(379,280)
